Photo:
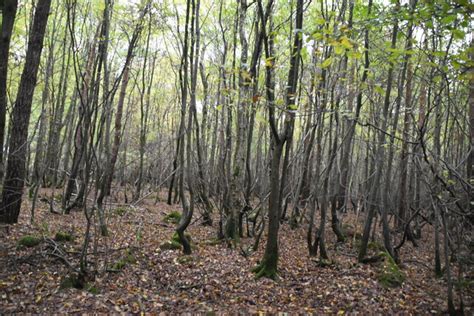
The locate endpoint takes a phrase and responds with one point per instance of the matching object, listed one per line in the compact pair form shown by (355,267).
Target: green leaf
(320,21)
(354,54)
(379,90)
(339,50)
(458,34)
(448,19)
(327,62)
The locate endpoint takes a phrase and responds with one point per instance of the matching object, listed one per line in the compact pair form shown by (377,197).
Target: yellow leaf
(246,75)
(269,62)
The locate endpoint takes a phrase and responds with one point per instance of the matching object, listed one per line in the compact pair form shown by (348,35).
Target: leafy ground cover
(136,275)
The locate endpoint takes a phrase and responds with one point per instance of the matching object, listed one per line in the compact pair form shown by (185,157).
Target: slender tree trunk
(53,151)
(378,163)
(269,264)
(185,164)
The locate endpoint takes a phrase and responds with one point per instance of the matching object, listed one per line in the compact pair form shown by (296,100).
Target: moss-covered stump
(174,217)
(63,236)
(29,241)
(389,274)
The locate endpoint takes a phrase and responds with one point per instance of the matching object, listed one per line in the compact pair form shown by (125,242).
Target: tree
(16,166)
(268,265)
(8,18)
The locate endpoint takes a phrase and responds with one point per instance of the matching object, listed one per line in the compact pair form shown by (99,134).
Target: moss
(175,238)
(127,258)
(72,282)
(464,283)
(119,265)
(390,274)
(323,263)
(120,211)
(212,242)
(263,270)
(63,236)
(92,289)
(170,245)
(69,283)
(268,267)
(29,241)
(185,259)
(375,246)
(174,217)
(175,243)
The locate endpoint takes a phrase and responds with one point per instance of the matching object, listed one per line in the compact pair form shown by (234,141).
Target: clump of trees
(251,113)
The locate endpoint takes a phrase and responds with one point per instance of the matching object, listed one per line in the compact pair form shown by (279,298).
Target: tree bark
(8,19)
(16,168)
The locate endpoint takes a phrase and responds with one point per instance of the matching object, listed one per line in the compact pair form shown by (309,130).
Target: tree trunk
(8,19)
(16,168)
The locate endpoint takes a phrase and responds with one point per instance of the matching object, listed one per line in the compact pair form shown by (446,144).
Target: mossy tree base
(390,275)
(263,270)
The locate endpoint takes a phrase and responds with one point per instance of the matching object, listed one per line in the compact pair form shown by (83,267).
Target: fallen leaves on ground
(214,278)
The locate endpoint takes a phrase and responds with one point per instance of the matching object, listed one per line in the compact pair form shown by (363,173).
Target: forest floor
(215,278)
